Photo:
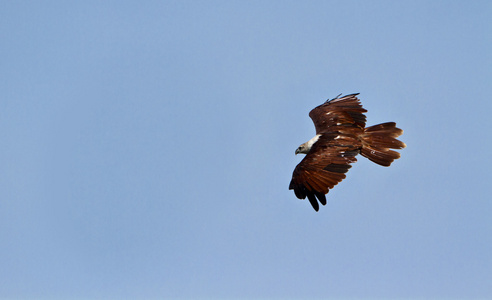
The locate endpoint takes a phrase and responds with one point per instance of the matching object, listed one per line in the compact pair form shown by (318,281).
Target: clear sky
(147,148)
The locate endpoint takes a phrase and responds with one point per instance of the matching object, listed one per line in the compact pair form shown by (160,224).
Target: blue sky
(147,148)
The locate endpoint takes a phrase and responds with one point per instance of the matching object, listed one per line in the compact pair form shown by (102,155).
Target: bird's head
(302,149)
(306,147)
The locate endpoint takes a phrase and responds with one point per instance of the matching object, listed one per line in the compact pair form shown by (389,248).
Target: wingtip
(338,97)
(314,202)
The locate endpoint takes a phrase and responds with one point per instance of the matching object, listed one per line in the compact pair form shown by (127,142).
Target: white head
(306,147)
(303,148)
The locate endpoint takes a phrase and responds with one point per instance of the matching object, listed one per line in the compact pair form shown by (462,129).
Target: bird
(341,134)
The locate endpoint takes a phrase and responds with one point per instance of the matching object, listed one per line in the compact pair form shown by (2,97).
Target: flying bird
(341,134)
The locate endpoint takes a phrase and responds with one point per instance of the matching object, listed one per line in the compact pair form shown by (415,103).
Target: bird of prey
(341,134)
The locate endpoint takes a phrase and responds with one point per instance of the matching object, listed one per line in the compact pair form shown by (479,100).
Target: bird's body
(340,135)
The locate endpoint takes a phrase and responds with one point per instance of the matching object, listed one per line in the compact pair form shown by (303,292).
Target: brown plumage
(340,135)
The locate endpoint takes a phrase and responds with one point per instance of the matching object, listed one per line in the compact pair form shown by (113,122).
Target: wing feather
(324,166)
(346,110)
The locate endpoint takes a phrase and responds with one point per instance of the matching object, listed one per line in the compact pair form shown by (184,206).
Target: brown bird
(341,134)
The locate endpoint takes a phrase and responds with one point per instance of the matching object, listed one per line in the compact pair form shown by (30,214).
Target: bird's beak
(297,151)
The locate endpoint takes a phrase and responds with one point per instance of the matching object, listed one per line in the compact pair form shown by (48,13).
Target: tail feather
(377,141)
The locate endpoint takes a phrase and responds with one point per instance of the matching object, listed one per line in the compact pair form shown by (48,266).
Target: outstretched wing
(324,166)
(346,110)
(340,122)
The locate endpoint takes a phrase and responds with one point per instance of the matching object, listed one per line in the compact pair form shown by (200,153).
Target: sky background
(147,148)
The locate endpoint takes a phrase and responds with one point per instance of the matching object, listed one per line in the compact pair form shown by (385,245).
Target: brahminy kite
(341,134)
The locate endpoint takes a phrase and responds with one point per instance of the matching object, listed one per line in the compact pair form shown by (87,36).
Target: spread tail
(377,141)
